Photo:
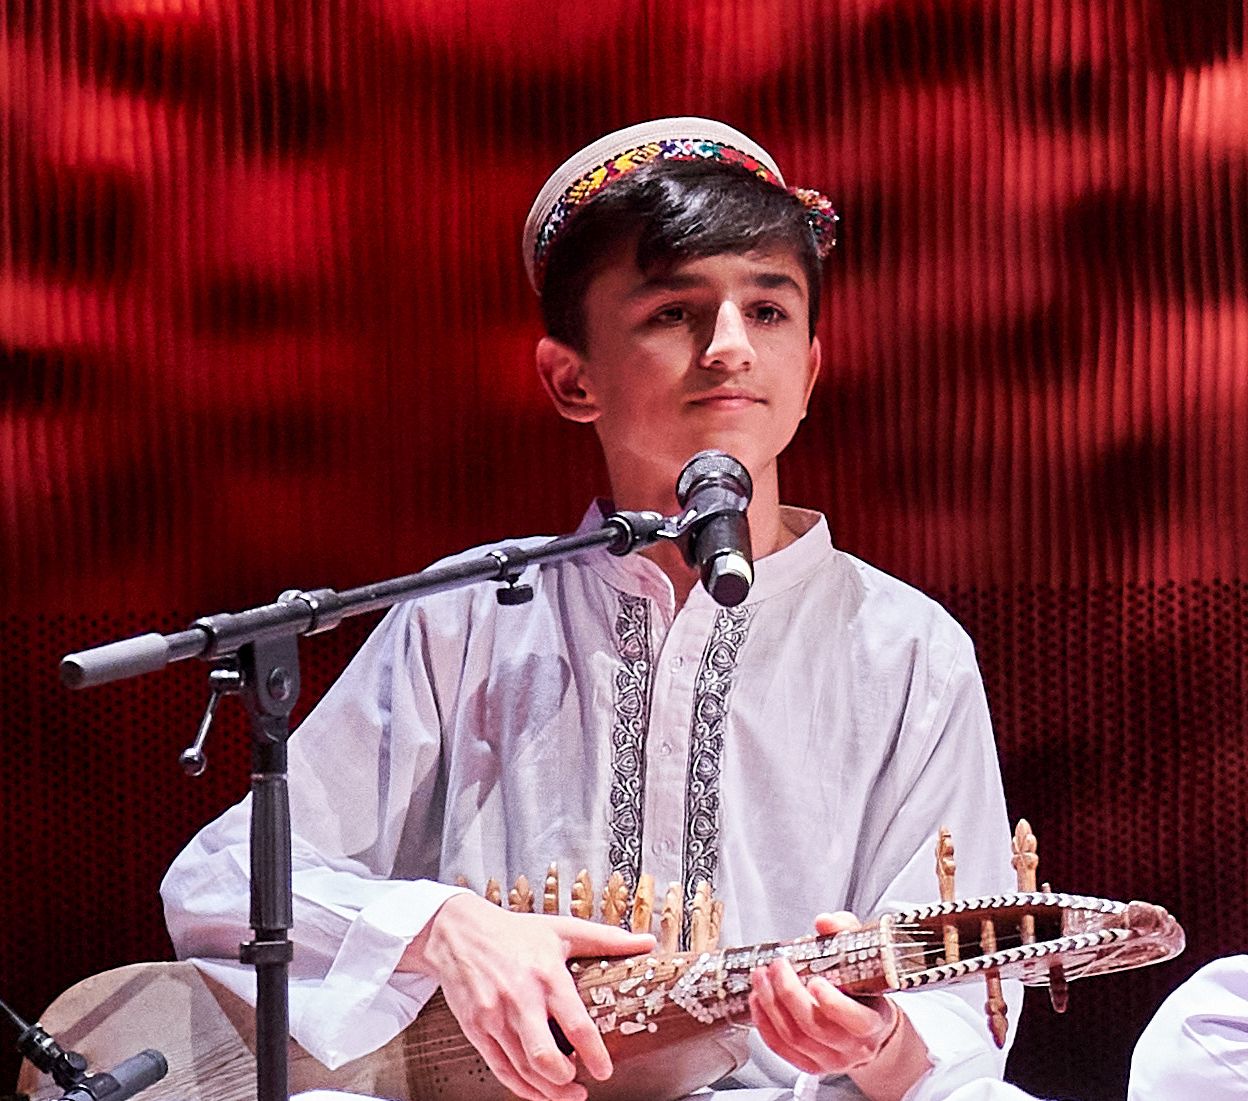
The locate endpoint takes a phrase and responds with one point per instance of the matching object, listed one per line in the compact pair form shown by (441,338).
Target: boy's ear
(562,371)
(815,365)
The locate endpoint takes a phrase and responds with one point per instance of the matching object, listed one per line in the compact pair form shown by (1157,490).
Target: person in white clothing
(1196,1045)
(799,750)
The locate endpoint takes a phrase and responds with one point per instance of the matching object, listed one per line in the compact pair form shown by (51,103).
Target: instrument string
(454,1048)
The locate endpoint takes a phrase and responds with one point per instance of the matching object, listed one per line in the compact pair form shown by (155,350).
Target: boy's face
(714,353)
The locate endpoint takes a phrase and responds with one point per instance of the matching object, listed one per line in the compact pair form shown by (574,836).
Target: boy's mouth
(728,399)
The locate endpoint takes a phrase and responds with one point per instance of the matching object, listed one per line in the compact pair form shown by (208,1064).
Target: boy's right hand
(505,977)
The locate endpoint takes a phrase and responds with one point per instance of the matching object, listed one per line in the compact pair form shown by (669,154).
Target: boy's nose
(729,348)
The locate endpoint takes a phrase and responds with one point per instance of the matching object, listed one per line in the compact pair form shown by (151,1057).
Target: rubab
(674,1020)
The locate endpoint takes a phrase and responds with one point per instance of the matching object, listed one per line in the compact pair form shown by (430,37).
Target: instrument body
(673,1022)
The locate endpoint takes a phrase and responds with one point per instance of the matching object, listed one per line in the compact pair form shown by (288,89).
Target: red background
(264,323)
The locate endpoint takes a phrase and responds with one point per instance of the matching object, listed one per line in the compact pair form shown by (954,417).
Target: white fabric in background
(1196,1045)
(986,1089)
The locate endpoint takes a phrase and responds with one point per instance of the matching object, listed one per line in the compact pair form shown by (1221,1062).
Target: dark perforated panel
(1122,721)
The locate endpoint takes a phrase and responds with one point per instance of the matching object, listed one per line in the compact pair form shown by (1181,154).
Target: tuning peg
(669,923)
(614,899)
(494,892)
(946,867)
(520,897)
(550,890)
(700,917)
(643,904)
(717,923)
(1059,992)
(583,896)
(995,1006)
(1025,861)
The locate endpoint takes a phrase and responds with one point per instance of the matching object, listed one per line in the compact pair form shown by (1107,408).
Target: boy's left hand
(821,1030)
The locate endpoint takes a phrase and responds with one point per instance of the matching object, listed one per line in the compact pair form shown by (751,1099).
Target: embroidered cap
(585,174)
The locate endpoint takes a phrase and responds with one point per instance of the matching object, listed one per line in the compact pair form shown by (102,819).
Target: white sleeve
(945,772)
(989,1089)
(1196,1045)
(364,804)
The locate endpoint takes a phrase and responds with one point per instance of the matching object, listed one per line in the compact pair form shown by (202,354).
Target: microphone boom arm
(256,655)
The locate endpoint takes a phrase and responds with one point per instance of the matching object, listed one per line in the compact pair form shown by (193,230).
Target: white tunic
(1196,1045)
(799,752)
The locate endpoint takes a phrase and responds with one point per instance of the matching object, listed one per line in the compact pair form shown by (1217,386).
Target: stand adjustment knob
(514,595)
(224,681)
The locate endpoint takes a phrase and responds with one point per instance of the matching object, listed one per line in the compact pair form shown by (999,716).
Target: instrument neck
(630,994)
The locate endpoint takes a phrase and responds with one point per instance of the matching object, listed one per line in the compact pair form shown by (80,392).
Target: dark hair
(676,211)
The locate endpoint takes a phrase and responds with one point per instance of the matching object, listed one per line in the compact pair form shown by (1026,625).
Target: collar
(781,570)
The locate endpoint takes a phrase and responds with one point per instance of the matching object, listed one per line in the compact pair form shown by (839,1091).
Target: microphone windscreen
(712,466)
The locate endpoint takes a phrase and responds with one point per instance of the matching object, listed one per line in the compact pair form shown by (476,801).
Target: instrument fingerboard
(630,995)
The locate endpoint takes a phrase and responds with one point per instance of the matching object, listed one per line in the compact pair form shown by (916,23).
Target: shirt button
(661,847)
(677,662)
(665,748)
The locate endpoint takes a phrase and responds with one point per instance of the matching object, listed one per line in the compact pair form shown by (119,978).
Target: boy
(798,751)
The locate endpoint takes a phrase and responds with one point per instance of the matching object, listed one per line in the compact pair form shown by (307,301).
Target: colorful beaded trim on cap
(821,216)
(819,212)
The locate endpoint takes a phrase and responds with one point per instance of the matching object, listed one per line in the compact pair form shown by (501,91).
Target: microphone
(714,490)
(125,1079)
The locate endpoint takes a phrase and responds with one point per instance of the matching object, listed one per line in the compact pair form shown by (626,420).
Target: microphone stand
(256,656)
(68,1069)
(35,1043)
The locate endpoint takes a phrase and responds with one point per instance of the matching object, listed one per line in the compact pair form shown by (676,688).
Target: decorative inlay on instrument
(672,1020)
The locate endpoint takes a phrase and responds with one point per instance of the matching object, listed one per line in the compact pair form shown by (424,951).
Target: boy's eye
(769,315)
(671,315)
